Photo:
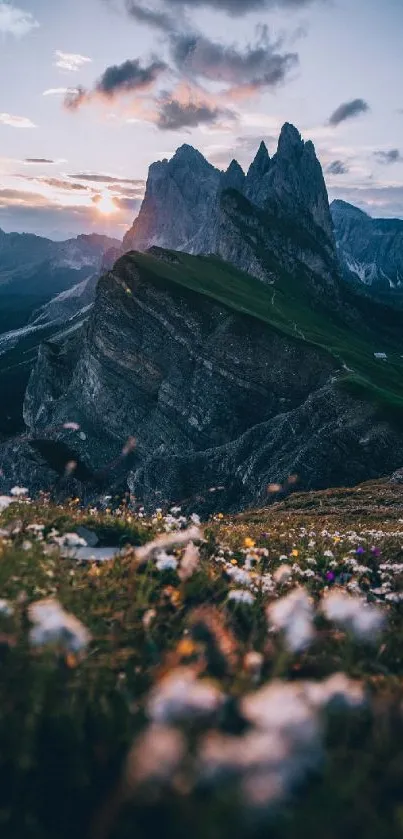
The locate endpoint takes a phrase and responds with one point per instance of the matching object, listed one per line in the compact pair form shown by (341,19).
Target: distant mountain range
(42,284)
(232,340)
(370,250)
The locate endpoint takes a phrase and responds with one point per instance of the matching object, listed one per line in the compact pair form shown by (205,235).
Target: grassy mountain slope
(286,308)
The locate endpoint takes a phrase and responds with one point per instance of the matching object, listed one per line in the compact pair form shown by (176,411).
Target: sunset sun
(106,205)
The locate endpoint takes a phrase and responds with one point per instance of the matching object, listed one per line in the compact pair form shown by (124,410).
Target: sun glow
(106,205)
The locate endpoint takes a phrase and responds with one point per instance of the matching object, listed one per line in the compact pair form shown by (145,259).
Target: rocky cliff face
(220,404)
(371,250)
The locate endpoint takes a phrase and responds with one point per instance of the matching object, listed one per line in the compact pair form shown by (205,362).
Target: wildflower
(360,550)
(71,426)
(353,613)
(5,608)
(330,576)
(5,502)
(295,553)
(148,617)
(241,596)
(189,562)
(249,543)
(166,562)
(180,695)
(253,663)
(154,757)
(53,625)
(329,554)
(375,551)
(195,519)
(282,574)
(294,615)
(19,492)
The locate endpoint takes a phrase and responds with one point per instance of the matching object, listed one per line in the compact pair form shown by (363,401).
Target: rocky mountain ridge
(228,381)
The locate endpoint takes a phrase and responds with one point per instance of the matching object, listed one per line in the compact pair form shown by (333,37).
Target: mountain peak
(290,141)
(187,153)
(234,177)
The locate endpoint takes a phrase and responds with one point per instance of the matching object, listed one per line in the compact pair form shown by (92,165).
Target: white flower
(282,574)
(189,562)
(5,501)
(19,492)
(166,562)
(239,576)
(294,615)
(154,757)
(241,596)
(329,554)
(53,625)
(353,613)
(195,519)
(180,695)
(5,608)
(71,426)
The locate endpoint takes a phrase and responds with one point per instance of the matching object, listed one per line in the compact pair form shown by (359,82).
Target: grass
(288,309)
(68,721)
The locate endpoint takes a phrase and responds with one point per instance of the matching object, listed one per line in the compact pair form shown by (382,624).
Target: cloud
(118,79)
(348,110)
(106,179)
(16,122)
(388,157)
(58,91)
(236,7)
(38,160)
(337,167)
(174,115)
(15,21)
(70,61)
(129,76)
(152,17)
(54,183)
(260,65)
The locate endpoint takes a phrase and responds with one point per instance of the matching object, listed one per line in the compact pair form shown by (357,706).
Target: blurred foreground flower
(294,615)
(180,695)
(354,614)
(53,625)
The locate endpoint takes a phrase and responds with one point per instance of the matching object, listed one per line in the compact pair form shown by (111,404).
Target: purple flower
(375,551)
(330,576)
(360,550)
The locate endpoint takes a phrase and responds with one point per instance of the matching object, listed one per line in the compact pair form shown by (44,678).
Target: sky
(94,91)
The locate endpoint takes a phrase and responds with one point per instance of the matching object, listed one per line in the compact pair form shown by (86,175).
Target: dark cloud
(55,183)
(38,160)
(99,178)
(348,110)
(152,17)
(239,7)
(174,115)
(337,167)
(388,157)
(128,77)
(260,65)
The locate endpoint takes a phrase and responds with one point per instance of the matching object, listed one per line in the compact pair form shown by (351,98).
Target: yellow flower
(220,515)
(249,543)
(295,552)
(186,647)
(234,562)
